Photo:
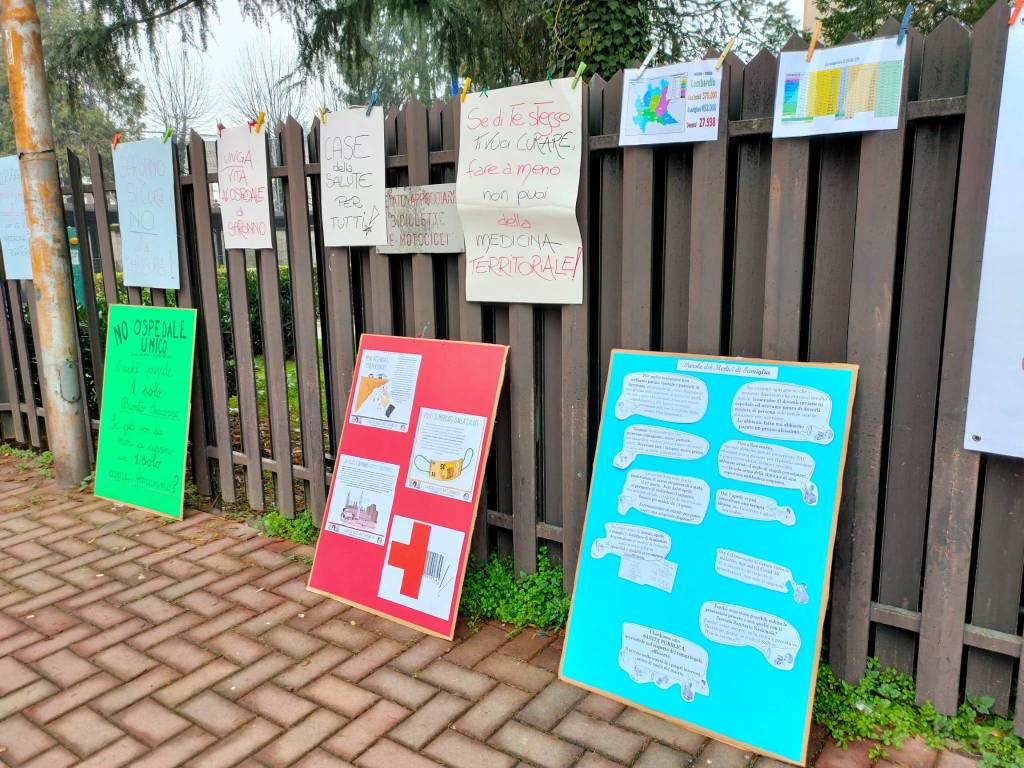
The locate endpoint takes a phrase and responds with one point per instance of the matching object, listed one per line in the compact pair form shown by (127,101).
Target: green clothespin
(549,79)
(579,73)
(483,92)
(167,135)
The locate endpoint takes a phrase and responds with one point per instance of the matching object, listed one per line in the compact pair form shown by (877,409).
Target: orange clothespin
(259,121)
(465,88)
(115,142)
(725,52)
(814,40)
(1016,12)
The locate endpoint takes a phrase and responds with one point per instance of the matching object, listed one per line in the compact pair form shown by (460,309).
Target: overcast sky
(231,35)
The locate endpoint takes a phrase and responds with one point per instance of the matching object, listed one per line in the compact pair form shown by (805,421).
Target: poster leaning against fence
(704,567)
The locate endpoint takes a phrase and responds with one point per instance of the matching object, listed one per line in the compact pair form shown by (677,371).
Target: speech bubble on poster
(759,573)
(782,411)
(651,656)
(641,552)
(775,638)
(673,397)
(752,506)
(664,442)
(671,497)
(765,464)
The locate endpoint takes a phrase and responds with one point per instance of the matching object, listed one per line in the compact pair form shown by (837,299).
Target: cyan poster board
(144,183)
(704,567)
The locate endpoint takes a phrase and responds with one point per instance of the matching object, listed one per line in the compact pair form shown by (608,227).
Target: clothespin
(465,88)
(373,102)
(905,23)
(167,135)
(549,79)
(579,73)
(483,92)
(814,40)
(1016,12)
(455,85)
(252,124)
(647,61)
(725,52)
(220,129)
(259,120)
(115,142)
(323,115)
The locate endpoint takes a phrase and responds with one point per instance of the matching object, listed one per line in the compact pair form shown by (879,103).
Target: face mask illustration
(444,470)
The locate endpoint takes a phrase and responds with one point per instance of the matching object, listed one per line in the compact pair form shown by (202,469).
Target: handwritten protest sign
(352,178)
(704,568)
(242,188)
(144,182)
(423,220)
(519,173)
(13,227)
(147,385)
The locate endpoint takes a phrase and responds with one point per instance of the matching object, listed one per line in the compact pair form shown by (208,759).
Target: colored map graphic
(652,105)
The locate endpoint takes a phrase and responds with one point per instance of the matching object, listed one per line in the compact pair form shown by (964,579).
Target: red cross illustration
(411,558)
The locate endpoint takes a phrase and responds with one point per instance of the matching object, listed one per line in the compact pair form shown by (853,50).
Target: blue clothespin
(372,104)
(455,85)
(905,23)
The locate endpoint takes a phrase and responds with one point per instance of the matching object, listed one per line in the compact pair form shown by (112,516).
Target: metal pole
(55,337)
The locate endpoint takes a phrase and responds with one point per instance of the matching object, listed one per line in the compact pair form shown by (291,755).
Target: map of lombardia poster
(703,571)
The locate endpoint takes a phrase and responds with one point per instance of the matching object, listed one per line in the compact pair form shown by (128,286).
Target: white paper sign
(352,179)
(519,173)
(421,566)
(13,227)
(144,183)
(361,498)
(243,189)
(423,220)
(767,464)
(384,391)
(664,442)
(995,406)
(855,87)
(673,397)
(446,453)
(776,639)
(782,411)
(677,498)
(675,103)
(752,506)
(759,573)
(641,551)
(652,656)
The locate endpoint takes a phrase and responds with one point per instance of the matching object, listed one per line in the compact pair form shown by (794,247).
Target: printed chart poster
(242,188)
(13,226)
(519,173)
(147,387)
(855,87)
(670,104)
(995,406)
(704,567)
(423,220)
(144,183)
(403,501)
(352,178)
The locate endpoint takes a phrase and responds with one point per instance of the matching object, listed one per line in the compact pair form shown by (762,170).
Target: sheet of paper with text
(352,178)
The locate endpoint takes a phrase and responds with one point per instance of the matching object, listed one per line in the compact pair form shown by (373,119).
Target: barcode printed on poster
(434,567)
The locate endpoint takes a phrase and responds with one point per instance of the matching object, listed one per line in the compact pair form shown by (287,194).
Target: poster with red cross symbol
(399,518)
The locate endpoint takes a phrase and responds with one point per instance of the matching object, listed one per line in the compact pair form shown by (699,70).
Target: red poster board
(407,477)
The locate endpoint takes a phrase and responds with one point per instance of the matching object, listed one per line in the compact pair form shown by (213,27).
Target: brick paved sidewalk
(126,639)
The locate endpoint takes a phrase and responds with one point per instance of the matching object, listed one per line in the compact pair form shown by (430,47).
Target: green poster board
(147,386)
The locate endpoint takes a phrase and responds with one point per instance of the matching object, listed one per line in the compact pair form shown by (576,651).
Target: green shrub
(299,528)
(491,590)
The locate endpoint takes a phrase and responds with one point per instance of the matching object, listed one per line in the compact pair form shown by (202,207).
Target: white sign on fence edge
(352,179)
(243,188)
(13,226)
(423,219)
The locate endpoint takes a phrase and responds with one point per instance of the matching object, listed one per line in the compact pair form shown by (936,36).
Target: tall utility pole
(56,326)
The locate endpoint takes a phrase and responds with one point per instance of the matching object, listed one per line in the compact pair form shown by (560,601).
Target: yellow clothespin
(579,73)
(814,40)
(725,52)
(167,135)
(1016,12)
(465,88)
(259,120)
(323,115)
(115,142)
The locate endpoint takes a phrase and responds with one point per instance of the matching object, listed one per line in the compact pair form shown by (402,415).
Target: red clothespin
(115,142)
(814,40)
(1016,12)
(252,124)
(220,129)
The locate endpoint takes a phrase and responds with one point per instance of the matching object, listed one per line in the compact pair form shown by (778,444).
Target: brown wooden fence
(862,248)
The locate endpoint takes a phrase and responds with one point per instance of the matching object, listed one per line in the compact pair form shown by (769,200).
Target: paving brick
(173,628)
(248,677)
(215,713)
(83,731)
(228,583)
(50,620)
(359,734)
(601,737)
(394,685)
(451,677)
(13,675)
(535,746)
(21,740)
(102,614)
(595,705)
(421,654)
(176,751)
(855,756)
(232,618)
(296,644)
(659,756)
(192,683)
(300,739)
(346,634)
(179,653)
(387,754)
(551,705)
(150,722)
(463,752)
(913,753)
(265,621)
(429,720)
(954,760)
(19,640)
(108,637)
(64,667)
(153,609)
(123,661)
(144,685)
(311,618)
(594,760)
(477,647)
(277,704)
(72,697)
(254,598)
(397,632)
(9,626)
(317,665)
(295,590)
(43,648)
(527,644)
(25,696)
(237,648)
(318,758)
(658,728)
(370,658)
(204,603)
(231,750)
(339,695)
(55,757)
(490,712)
(121,752)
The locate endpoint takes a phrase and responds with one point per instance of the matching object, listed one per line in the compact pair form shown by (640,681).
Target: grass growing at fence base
(41,461)
(882,708)
(492,591)
(299,528)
